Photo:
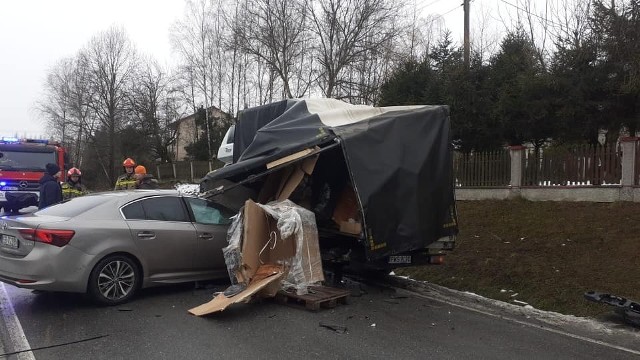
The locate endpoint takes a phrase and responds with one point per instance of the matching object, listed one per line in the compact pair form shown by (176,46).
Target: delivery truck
(378,179)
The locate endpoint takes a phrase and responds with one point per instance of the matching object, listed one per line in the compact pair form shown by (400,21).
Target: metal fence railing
(479,169)
(191,171)
(575,165)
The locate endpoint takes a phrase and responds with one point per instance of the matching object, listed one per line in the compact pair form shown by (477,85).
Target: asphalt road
(381,323)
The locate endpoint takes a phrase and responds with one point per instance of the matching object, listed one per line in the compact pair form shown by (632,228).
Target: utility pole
(466,34)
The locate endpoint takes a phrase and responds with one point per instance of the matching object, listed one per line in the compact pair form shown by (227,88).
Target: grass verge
(547,254)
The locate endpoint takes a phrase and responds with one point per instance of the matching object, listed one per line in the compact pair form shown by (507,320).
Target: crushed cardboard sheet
(266,275)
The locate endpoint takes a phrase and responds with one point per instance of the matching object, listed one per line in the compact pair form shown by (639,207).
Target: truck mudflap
(628,309)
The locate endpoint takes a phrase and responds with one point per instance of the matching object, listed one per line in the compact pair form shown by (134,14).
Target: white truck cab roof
(225,152)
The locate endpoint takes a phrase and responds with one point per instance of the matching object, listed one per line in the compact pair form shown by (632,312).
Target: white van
(225,152)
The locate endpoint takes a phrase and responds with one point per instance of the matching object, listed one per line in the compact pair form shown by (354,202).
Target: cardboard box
(350,227)
(262,242)
(268,258)
(347,206)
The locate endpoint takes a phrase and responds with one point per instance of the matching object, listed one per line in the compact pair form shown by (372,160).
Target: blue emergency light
(3,183)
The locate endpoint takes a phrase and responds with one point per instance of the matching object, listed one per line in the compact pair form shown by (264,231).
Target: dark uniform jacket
(147,182)
(50,191)
(71,189)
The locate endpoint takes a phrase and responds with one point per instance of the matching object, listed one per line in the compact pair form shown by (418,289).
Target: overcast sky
(35,34)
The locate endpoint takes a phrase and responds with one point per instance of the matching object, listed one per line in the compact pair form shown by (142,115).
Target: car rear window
(163,208)
(73,207)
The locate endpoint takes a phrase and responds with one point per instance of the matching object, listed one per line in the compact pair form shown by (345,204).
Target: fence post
(173,165)
(628,167)
(158,172)
(191,168)
(516,152)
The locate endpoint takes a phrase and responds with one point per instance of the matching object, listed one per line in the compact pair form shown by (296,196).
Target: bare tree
(485,40)
(55,104)
(275,31)
(199,38)
(571,21)
(65,105)
(110,59)
(418,34)
(348,31)
(154,106)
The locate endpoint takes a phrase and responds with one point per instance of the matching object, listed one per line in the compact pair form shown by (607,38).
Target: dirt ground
(546,254)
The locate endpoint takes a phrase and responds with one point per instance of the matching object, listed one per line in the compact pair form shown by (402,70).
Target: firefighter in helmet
(73,187)
(127,180)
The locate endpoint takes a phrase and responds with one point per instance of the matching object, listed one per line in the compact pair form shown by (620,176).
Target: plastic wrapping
(297,223)
(233,251)
(188,189)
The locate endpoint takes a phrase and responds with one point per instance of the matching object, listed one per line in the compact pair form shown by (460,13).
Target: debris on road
(340,329)
(629,310)
(518,302)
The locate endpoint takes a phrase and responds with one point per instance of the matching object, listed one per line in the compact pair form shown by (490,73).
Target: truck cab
(225,152)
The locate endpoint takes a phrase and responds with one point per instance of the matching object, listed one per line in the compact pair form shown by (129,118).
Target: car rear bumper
(48,268)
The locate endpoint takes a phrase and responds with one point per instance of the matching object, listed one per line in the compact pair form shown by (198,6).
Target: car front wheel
(114,280)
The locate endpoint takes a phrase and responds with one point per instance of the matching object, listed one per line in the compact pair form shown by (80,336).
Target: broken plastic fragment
(341,329)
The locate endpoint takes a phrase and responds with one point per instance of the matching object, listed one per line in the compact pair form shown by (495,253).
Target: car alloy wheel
(114,280)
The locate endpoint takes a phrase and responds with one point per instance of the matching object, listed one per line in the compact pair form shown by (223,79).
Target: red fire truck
(22,164)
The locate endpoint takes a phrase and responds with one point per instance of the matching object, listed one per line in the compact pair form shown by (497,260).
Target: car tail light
(54,237)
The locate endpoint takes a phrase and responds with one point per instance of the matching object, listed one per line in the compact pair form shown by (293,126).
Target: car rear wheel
(114,280)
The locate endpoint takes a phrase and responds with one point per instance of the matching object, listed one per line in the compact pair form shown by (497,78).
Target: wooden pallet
(318,296)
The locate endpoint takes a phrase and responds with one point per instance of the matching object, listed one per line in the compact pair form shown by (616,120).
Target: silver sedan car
(111,244)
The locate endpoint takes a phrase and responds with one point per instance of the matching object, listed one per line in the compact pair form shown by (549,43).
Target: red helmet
(128,162)
(74,171)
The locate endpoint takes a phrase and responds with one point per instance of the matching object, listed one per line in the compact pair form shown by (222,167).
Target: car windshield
(73,207)
(24,160)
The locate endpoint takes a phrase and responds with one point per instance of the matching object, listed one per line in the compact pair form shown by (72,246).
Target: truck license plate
(9,241)
(400,259)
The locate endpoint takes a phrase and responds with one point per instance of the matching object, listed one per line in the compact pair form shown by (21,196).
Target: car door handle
(146,235)
(206,236)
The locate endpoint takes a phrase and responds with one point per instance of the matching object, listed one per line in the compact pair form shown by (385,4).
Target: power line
(532,14)
(427,5)
(442,15)
(455,8)
(439,15)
